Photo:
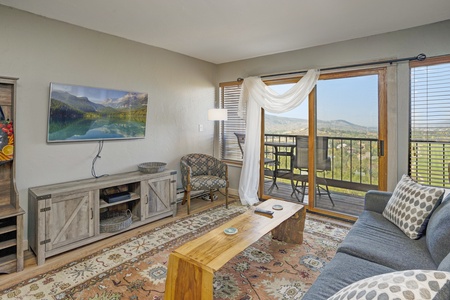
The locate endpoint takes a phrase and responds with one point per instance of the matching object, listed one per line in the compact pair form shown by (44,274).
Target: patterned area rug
(136,268)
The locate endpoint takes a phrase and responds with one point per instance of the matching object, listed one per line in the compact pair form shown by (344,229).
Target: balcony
(344,203)
(353,171)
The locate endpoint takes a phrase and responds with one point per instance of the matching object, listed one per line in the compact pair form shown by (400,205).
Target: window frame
(413,168)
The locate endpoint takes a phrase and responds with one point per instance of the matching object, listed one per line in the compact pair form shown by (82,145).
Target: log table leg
(188,280)
(291,230)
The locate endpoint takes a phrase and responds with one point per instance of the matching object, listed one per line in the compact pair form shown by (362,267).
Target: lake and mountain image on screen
(79,113)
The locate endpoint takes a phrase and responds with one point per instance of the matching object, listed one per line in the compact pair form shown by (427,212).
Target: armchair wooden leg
(188,202)
(226,197)
(211,195)
(184,198)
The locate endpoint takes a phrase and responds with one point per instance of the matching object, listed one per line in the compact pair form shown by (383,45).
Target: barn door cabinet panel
(11,214)
(69,218)
(65,219)
(69,215)
(160,196)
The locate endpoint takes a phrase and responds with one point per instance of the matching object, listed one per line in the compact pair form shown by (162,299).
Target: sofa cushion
(410,284)
(341,271)
(376,200)
(376,239)
(438,232)
(411,205)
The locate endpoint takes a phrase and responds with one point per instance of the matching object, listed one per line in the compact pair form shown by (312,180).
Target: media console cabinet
(67,215)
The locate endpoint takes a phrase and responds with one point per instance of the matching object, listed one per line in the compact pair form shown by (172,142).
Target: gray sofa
(376,246)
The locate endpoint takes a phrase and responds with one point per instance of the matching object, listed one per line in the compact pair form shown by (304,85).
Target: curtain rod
(419,57)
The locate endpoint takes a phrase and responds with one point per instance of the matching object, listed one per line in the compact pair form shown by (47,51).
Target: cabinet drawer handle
(147,199)
(92,213)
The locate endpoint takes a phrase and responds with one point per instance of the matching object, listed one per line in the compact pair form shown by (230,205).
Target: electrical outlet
(200,127)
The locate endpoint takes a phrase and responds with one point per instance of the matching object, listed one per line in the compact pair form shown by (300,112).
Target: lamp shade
(217,114)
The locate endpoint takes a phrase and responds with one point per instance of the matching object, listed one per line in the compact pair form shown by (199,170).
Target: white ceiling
(221,31)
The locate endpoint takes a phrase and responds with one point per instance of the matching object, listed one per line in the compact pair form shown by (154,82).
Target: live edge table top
(191,267)
(215,248)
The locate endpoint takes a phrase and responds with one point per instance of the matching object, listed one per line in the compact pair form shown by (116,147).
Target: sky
(353,99)
(96,95)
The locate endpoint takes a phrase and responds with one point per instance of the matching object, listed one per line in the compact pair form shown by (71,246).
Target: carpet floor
(136,268)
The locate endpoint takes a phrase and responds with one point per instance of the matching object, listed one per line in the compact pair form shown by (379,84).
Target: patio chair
(267,161)
(300,161)
(201,172)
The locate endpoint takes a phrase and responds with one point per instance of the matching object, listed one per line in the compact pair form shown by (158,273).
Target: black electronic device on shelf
(115,197)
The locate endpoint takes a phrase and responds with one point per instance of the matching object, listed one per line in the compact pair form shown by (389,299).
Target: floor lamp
(217,114)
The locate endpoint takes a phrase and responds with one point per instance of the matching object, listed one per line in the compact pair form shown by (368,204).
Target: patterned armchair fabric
(202,172)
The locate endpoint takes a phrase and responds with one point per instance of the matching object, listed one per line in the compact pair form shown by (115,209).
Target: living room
(181,89)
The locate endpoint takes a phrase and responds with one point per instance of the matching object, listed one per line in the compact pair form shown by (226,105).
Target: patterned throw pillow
(411,206)
(410,284)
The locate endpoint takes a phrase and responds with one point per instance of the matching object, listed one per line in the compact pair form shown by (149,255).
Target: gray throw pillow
(411,205)
(410,284)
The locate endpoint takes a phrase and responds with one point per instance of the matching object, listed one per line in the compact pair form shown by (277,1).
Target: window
(429,140)
(229,99)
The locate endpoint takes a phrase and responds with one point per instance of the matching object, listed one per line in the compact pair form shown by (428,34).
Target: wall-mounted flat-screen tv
(80,113)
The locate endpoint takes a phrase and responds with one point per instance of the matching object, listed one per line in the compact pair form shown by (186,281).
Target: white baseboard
(180,194)
(233,192)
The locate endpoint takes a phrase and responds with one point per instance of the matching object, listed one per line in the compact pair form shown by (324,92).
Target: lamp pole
(217,114)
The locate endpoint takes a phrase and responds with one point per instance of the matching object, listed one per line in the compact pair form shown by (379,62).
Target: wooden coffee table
(191,267)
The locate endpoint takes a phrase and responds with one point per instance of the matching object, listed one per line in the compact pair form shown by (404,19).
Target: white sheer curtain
(255,94)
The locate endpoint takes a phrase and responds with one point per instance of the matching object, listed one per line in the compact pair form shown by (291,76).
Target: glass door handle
(380,148)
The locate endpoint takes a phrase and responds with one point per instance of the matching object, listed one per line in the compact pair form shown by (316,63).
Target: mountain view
(77,117)
(127,101)
(64,102)
(352,148)
(293,126)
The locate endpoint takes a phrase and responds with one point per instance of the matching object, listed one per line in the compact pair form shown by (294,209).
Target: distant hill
(283,125)
(77,103)
(60,110)
(134,100)
(110,106)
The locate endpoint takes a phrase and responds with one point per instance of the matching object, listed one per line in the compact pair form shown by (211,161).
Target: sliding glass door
(350,144)
(330,150)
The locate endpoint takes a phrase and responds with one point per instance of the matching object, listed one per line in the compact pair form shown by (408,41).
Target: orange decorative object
(6,141)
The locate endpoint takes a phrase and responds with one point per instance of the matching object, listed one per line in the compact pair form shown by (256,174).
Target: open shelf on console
(120,199)
(133,197)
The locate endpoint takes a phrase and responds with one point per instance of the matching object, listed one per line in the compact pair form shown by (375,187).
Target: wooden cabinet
(11,214)
(68,219)
(160,194)
(69,215)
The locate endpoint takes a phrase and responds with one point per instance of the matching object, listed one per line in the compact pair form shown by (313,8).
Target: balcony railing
(354,161)
(429,162)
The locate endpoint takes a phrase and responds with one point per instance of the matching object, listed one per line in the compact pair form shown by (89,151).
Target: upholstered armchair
(203,172)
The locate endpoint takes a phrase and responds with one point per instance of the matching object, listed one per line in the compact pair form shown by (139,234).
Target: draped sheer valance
(255,94)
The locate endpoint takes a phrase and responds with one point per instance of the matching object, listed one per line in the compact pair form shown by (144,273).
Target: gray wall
(433,40)
(39,51)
